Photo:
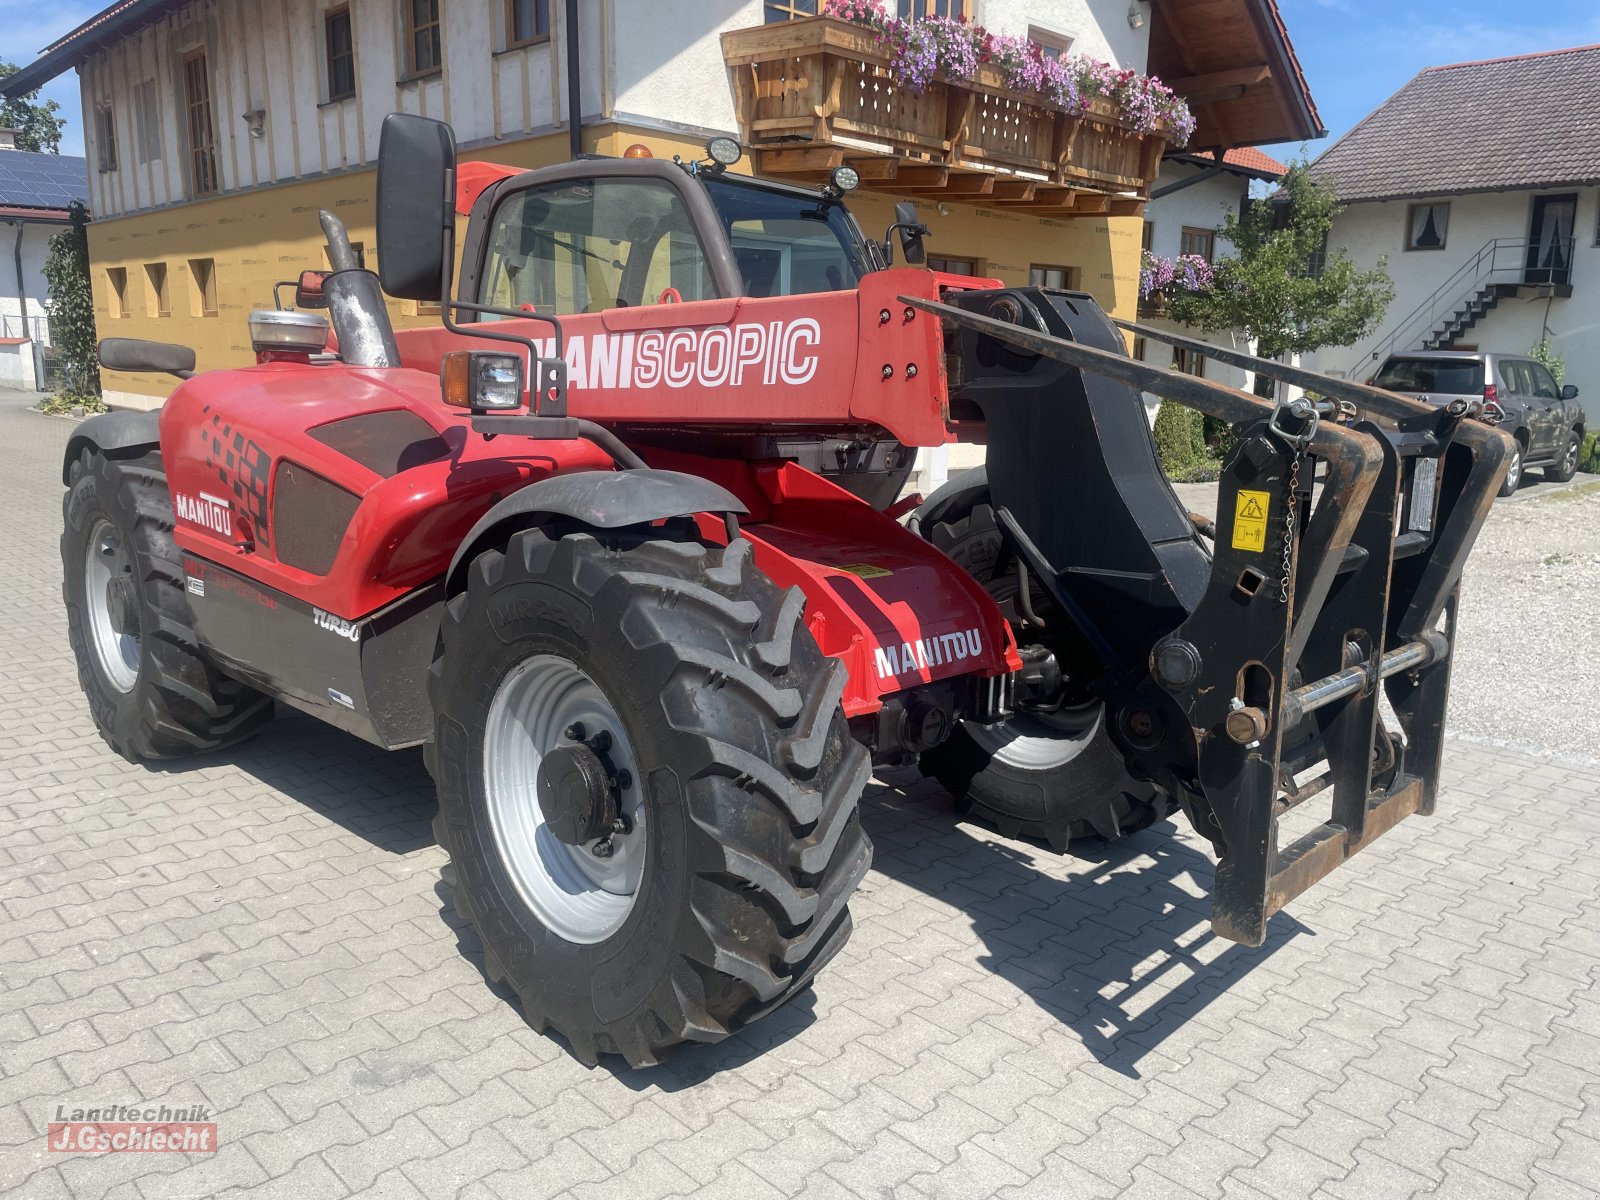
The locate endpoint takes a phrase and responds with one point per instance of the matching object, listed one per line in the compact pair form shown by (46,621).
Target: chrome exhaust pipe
(355,303)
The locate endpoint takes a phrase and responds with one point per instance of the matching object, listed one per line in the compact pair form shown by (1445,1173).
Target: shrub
(1180,440)
(1589,459)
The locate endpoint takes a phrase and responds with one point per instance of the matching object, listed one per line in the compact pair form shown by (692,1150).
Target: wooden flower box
(821,82)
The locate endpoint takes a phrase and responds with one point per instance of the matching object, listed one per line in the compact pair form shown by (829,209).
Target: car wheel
(1513,479)
(1565,467)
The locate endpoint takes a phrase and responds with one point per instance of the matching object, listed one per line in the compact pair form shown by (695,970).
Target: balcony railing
(817,93)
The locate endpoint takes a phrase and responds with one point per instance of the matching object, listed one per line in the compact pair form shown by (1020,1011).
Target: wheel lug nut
(599,743)
(624,779)
(602,848)
(574,732)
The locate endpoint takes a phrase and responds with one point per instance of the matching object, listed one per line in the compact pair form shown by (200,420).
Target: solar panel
(42,180)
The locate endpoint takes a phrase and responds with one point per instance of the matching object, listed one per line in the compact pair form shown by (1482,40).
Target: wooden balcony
(817,93)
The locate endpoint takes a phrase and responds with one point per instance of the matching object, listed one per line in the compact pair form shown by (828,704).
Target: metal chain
(1289,528)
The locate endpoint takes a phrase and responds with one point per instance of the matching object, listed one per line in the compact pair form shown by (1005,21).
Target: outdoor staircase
(1473,309)
(1498,271)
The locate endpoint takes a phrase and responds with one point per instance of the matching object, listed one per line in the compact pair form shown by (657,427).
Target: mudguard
(601,500)
(114,434)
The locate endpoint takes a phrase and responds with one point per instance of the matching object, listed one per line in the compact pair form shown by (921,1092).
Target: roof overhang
(110,24)
(35,216)
(1207,162)
(1233,62)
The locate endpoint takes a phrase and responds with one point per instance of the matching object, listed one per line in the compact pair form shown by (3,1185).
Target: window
(1188,362)
(341,54)
(1055,45)
(911,10)
(1426,225)
(787,245)
(423,51)
(147,122)
(156,302)
(1148,236)
(1064,278)
(953,266)
(1451,376)
(105,137)
(788,10)
(202,133)
(203,290)
(586,245)
(1542,383)
(1197,241)
(117,291)
(1139,348)
(527,22)
(359,249)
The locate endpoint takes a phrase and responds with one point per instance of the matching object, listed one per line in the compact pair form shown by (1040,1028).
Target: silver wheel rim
(577,895)
(1039,741)
(1514,472)
(106,561)
(1570,462)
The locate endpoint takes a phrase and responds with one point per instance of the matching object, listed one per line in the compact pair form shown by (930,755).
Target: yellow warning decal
(864,570)
(1250,520)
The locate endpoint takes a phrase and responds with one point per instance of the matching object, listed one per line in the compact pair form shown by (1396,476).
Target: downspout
(22,291)
(574,85)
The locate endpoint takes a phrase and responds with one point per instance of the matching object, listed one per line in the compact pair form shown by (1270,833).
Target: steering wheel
(669,295)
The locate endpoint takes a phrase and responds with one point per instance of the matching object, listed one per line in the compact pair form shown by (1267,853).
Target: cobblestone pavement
(264,933)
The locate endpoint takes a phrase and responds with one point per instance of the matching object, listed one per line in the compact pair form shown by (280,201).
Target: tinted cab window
(583,246)
(788,245)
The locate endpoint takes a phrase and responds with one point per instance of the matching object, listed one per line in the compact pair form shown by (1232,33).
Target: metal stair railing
(1499,260)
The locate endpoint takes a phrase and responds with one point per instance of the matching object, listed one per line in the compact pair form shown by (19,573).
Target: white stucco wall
(1368,231)
(17,361)
(1097,27)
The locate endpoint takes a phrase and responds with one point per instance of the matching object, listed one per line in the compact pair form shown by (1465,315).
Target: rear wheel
(1513,479)
(646,786)
(1566,466)
(1052,775)
(152,690)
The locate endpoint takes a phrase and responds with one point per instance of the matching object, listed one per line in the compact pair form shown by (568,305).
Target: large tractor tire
(646,786)
(1053,776)
(152,690)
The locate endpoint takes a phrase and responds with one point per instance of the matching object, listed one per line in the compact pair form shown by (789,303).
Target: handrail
(1466,279)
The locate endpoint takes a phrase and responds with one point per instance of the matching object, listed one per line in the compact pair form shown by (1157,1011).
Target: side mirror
(1569,391)
(912,232)
(308,291)
(416,169)
(136,354)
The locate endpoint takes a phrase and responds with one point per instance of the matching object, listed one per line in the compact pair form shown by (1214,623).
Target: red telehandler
(620,544)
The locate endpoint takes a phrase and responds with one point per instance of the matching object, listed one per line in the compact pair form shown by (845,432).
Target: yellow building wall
(256,239)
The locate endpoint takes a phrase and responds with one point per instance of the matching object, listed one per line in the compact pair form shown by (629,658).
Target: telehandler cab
(617,544)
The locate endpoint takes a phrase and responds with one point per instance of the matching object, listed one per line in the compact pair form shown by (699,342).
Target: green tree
(38,128)
(71,309)
(1285,287)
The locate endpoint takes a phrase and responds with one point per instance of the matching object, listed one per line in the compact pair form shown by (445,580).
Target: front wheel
(646,786)
(1050,775)
(1566,466)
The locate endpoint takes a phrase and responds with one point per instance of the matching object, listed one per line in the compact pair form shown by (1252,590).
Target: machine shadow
(384,797)
(1112,938)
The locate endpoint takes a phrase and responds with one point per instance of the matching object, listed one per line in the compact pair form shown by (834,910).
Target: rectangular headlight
(481,380)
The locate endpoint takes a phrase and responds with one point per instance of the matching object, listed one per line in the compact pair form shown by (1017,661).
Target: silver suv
(1519,394)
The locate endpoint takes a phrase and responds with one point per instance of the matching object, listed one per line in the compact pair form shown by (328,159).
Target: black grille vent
(309,517)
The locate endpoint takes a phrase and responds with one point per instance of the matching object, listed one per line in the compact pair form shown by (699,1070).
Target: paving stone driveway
(264,933)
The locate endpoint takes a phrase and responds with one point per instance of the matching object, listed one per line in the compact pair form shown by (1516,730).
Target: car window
(1516,378)
(586,245)
(1452,376)
(1544,383)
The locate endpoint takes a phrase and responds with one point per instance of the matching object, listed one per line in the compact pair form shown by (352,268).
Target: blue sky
(1356,53)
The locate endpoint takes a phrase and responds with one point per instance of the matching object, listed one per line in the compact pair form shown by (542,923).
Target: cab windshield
(787,244)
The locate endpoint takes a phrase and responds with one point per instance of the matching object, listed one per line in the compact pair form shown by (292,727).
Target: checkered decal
(242,467)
